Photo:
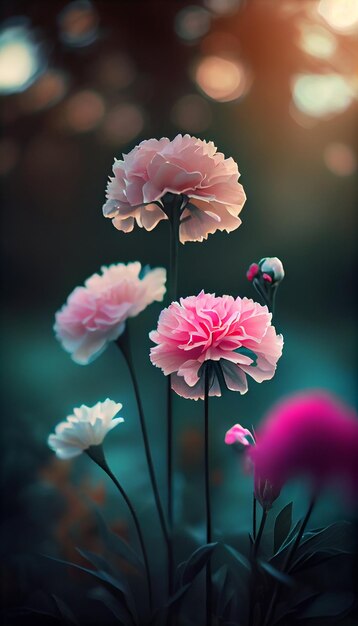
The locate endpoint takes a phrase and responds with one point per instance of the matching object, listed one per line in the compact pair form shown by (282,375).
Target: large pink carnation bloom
(309,434)
(211,197)
(95,314)
(234,336)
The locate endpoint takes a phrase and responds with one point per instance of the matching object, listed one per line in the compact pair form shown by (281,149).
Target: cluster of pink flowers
(95,314)
(235,334)
(188,167)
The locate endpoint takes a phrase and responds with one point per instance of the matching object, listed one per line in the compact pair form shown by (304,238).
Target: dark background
(111,74)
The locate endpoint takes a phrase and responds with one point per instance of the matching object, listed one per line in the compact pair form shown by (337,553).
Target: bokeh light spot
(20,59)
(47,91)
(222,7)
(192,22)
(115,71)
(192,113)
(122,123)
(221,79)
(317,41)
(340,159)
(341,15)
(78,23)
(84,111)
(321,95)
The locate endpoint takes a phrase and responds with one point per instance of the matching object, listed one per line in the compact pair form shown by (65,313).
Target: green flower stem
(172,208)
(207,496)
(254,516)
(260,532)
(124,345)
(97,455)
(255,549)
(288,560)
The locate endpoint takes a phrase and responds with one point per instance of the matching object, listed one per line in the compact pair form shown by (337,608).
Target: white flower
(87,427)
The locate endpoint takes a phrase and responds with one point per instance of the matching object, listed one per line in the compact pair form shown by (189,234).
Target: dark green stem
(260,532)
(172,206)
(255,549)
(97,455)
(287,562)
(207,496)
(254,516)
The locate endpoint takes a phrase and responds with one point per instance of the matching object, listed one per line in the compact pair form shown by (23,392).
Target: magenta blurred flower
(96,314)
(233,337)
(309,434)
(205,182)
(239,434)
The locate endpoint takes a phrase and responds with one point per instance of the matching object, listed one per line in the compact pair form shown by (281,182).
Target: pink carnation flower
(311,434)
(96,314)
(234,336)
(188,167)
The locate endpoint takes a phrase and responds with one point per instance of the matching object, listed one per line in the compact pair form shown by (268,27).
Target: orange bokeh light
(221,79)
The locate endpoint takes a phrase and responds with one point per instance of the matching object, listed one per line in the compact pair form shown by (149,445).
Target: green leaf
(239,558)
(96,560)
(174,599)
(282,526)
(292,534)
(226,592)
(64,610)
(312,559)
(104,577)
(117,609)
(276,573)
(328,605)
(117,545)
(196,562)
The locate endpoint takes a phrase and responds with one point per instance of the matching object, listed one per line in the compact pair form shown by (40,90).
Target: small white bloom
(274,266)
(87,427)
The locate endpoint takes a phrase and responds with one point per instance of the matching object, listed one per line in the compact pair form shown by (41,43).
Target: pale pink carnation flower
(96,314)
(188,167)
(309,434)
(234,335)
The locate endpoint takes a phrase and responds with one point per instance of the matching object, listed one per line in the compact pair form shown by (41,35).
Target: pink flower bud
(238,434)
(252,271)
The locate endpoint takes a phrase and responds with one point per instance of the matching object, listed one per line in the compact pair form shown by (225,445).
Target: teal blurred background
(274,85)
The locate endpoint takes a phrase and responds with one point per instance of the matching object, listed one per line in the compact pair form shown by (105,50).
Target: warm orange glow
(192,113)
(221,79)
(122,124)
(223,7)
(340,159)
(84,111)
(49,89)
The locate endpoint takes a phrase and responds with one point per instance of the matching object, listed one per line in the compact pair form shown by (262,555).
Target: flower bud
(265,492)
(266,277)
(273,268)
